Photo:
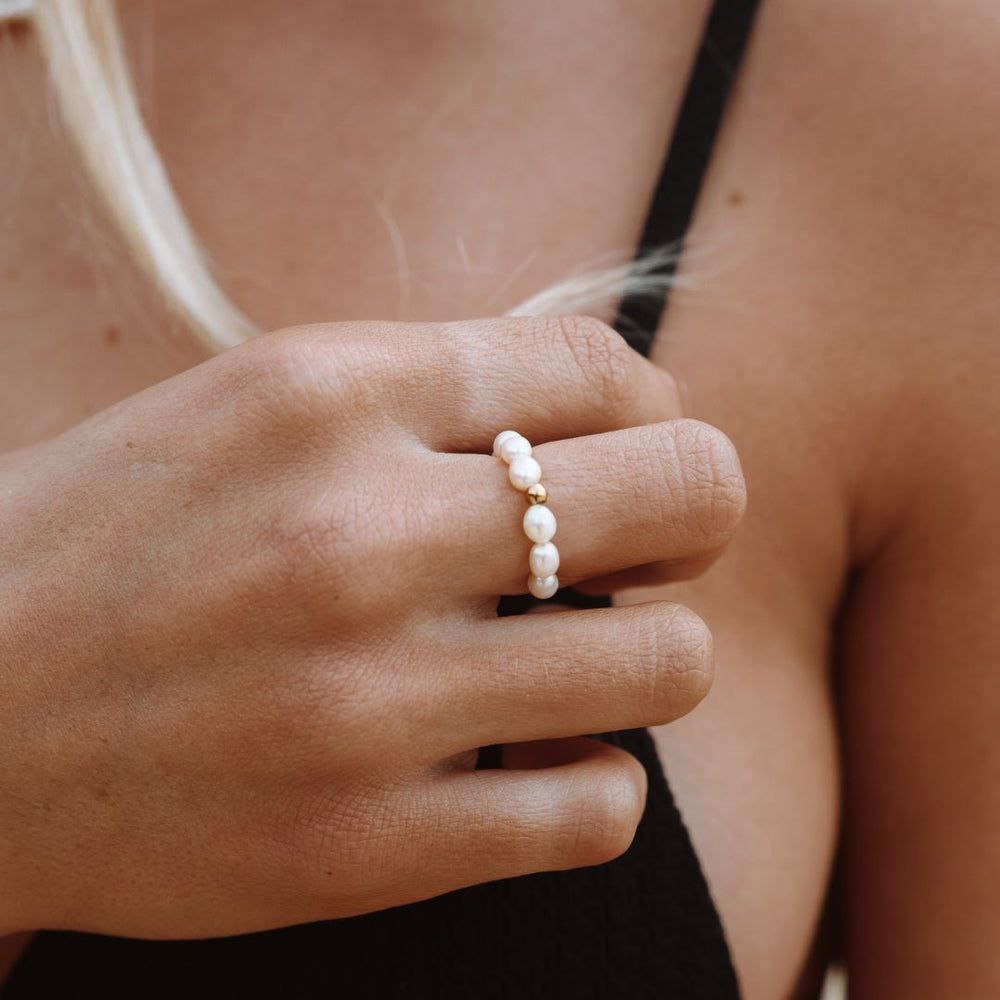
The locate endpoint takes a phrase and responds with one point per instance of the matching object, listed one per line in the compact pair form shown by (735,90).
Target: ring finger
(669,492)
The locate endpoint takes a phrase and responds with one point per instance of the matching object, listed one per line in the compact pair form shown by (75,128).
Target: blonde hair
(91,82)
(93,88)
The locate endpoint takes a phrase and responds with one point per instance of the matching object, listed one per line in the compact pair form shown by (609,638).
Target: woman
(248,621)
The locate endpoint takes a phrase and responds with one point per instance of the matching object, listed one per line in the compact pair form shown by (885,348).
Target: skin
(840,328)
(254,711)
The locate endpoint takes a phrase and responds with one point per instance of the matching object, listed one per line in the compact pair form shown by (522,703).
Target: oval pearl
(500,438)
(543,587)
(524,471)
(543,560)
(539,523)
(513,446)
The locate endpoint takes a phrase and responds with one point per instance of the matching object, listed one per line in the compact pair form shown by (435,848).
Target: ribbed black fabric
(642,926)
(725,41)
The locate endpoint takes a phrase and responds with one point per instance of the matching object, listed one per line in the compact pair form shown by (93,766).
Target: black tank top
(643,925)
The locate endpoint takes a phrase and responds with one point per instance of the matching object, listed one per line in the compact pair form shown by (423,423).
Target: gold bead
(537,494)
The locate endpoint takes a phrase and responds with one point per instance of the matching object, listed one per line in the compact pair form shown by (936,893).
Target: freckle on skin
(736,197)
(112,335)
(16,30)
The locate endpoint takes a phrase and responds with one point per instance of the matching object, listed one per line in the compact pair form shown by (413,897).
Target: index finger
(552,377)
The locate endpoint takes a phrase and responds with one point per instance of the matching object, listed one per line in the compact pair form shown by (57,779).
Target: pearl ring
(539,522)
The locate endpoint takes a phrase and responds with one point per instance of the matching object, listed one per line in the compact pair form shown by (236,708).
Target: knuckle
(341,693)
(714,490)
(281,364)
(673,661)
(337,547)
(309,373)
(340,844)
(602,358)
(671,399)
(606,818)
(685,651)
(310,536)
(316,548)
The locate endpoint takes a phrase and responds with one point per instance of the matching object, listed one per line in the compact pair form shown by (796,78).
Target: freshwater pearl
(543,560)
(513,446)
(523,472)
(539,523)
(543,587)
(500,438)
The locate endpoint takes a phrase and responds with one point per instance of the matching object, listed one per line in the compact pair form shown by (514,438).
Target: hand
(248,643)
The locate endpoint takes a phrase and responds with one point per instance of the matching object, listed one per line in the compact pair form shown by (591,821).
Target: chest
(432,162)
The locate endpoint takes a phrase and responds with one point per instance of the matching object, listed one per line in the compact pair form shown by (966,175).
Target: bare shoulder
(837,318)
(845,254)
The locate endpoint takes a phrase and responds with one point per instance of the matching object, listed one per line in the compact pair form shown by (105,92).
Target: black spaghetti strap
(726,35)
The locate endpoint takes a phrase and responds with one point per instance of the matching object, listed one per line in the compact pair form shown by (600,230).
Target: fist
(248,632)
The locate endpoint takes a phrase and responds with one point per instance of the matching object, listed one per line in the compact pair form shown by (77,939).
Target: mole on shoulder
(736,197)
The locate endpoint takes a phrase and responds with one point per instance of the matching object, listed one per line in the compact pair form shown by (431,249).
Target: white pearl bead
(543,587)
(524,471)
(543,560)
(513,446)
(539,523)
(500,438)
